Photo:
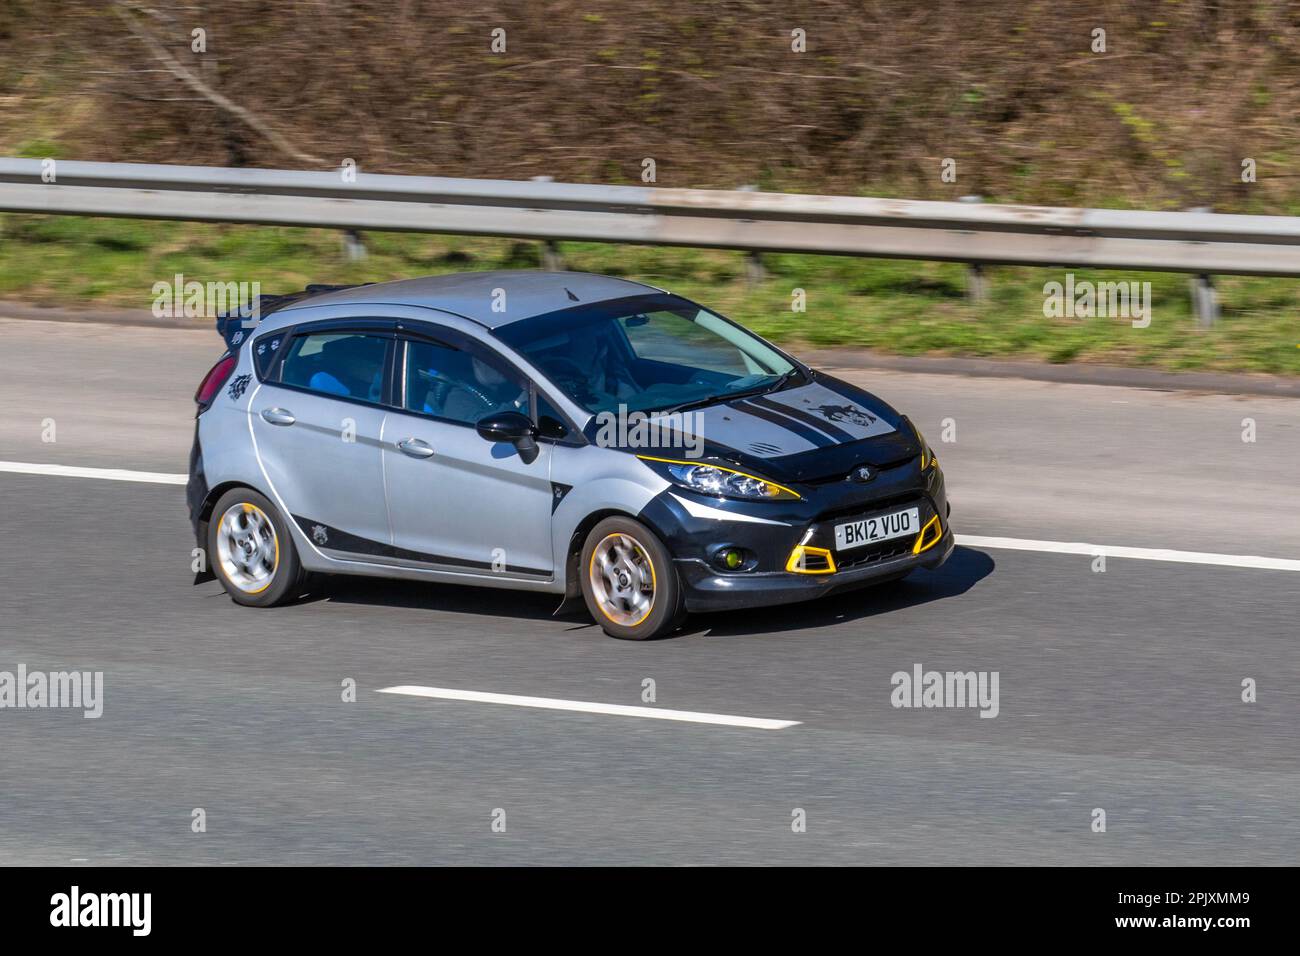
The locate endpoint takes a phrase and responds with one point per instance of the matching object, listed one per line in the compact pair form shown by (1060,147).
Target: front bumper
(770,578)
(710,590)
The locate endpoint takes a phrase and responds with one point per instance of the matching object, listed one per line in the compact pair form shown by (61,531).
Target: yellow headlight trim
(734,471)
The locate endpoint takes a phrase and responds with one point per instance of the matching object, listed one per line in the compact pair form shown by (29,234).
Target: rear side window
(345,364)
(265,350)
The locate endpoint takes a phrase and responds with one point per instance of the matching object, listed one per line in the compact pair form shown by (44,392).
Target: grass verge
(901,307)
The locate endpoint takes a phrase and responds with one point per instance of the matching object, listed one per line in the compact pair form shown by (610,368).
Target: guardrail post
(552,259)
(1205,302)
(977,283)
(755,271)
(354,247)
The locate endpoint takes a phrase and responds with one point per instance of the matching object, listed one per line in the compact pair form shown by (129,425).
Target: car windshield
(646,353)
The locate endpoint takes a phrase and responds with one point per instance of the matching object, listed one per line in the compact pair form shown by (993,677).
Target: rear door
(457,501)
(318,426)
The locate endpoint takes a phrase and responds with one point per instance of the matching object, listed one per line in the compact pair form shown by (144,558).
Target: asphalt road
(1118,690)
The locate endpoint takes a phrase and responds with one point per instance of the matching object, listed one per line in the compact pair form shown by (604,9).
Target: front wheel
(251,551)
(629,582)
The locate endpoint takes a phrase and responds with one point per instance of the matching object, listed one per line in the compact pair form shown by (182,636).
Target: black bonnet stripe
(820,424)
(785,421)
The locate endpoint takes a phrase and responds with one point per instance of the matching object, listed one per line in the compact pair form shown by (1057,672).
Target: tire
(620,558)
(245,526)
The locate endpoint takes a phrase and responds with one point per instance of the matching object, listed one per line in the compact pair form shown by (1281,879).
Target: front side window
(459,386)
(345,364)
(647,353)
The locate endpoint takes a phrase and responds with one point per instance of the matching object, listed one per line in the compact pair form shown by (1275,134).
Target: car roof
(472,294)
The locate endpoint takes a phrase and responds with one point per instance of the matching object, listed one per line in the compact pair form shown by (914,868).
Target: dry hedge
(711,90)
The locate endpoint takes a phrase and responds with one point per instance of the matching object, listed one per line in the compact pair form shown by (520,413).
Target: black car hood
(819,430)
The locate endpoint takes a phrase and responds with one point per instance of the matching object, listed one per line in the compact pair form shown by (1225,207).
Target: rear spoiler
(235,325)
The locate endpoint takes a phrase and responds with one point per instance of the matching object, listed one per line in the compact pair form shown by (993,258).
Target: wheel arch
(573,553)
(205,516)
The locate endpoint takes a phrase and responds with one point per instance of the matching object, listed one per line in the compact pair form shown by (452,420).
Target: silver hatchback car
(578,434)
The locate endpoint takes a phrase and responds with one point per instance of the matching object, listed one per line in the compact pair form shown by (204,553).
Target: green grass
(910,308)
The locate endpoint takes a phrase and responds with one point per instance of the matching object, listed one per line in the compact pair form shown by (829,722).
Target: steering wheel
(442,386)
(568,372)
(559,365)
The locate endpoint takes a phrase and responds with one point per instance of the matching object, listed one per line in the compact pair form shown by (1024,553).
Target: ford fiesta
(576,434)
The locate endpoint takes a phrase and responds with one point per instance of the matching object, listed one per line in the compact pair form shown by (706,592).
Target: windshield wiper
(781,382)
(729,396)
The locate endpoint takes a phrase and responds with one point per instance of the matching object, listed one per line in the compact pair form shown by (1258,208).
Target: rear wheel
(629,582)
(251,551)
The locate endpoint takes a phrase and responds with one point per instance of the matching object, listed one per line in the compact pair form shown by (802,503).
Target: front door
(457,501)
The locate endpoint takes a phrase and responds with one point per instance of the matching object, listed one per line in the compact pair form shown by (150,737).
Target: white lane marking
(586,707)
(973,540)
(1141,554)
(107,474)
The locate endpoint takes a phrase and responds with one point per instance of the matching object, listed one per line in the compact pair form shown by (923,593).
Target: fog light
(733,559)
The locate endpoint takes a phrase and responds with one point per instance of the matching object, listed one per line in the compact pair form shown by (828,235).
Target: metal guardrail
(1191,242)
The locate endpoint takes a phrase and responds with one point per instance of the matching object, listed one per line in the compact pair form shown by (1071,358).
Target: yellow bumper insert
(929,536)
(805,559)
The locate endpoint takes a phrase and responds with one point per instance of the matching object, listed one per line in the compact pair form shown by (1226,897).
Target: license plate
(899,524)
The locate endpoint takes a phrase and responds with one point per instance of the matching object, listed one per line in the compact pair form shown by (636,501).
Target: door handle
(415,448)
(278,416)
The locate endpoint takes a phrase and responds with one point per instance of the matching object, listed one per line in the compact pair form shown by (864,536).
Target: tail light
(213,381)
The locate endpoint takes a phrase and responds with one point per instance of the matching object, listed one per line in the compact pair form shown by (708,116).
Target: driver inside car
(588,360)
(466,395)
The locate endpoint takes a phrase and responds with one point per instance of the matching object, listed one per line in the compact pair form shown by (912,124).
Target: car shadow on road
(965,568)
(960,573)
(428,596)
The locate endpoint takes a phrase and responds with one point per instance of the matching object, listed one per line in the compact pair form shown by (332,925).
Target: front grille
(877,506)
(874,554)
(844,475)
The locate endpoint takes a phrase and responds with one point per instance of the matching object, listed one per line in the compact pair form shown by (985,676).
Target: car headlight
(928,460)
(723,482)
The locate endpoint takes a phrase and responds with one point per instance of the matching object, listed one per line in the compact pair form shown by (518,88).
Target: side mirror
(510,427)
